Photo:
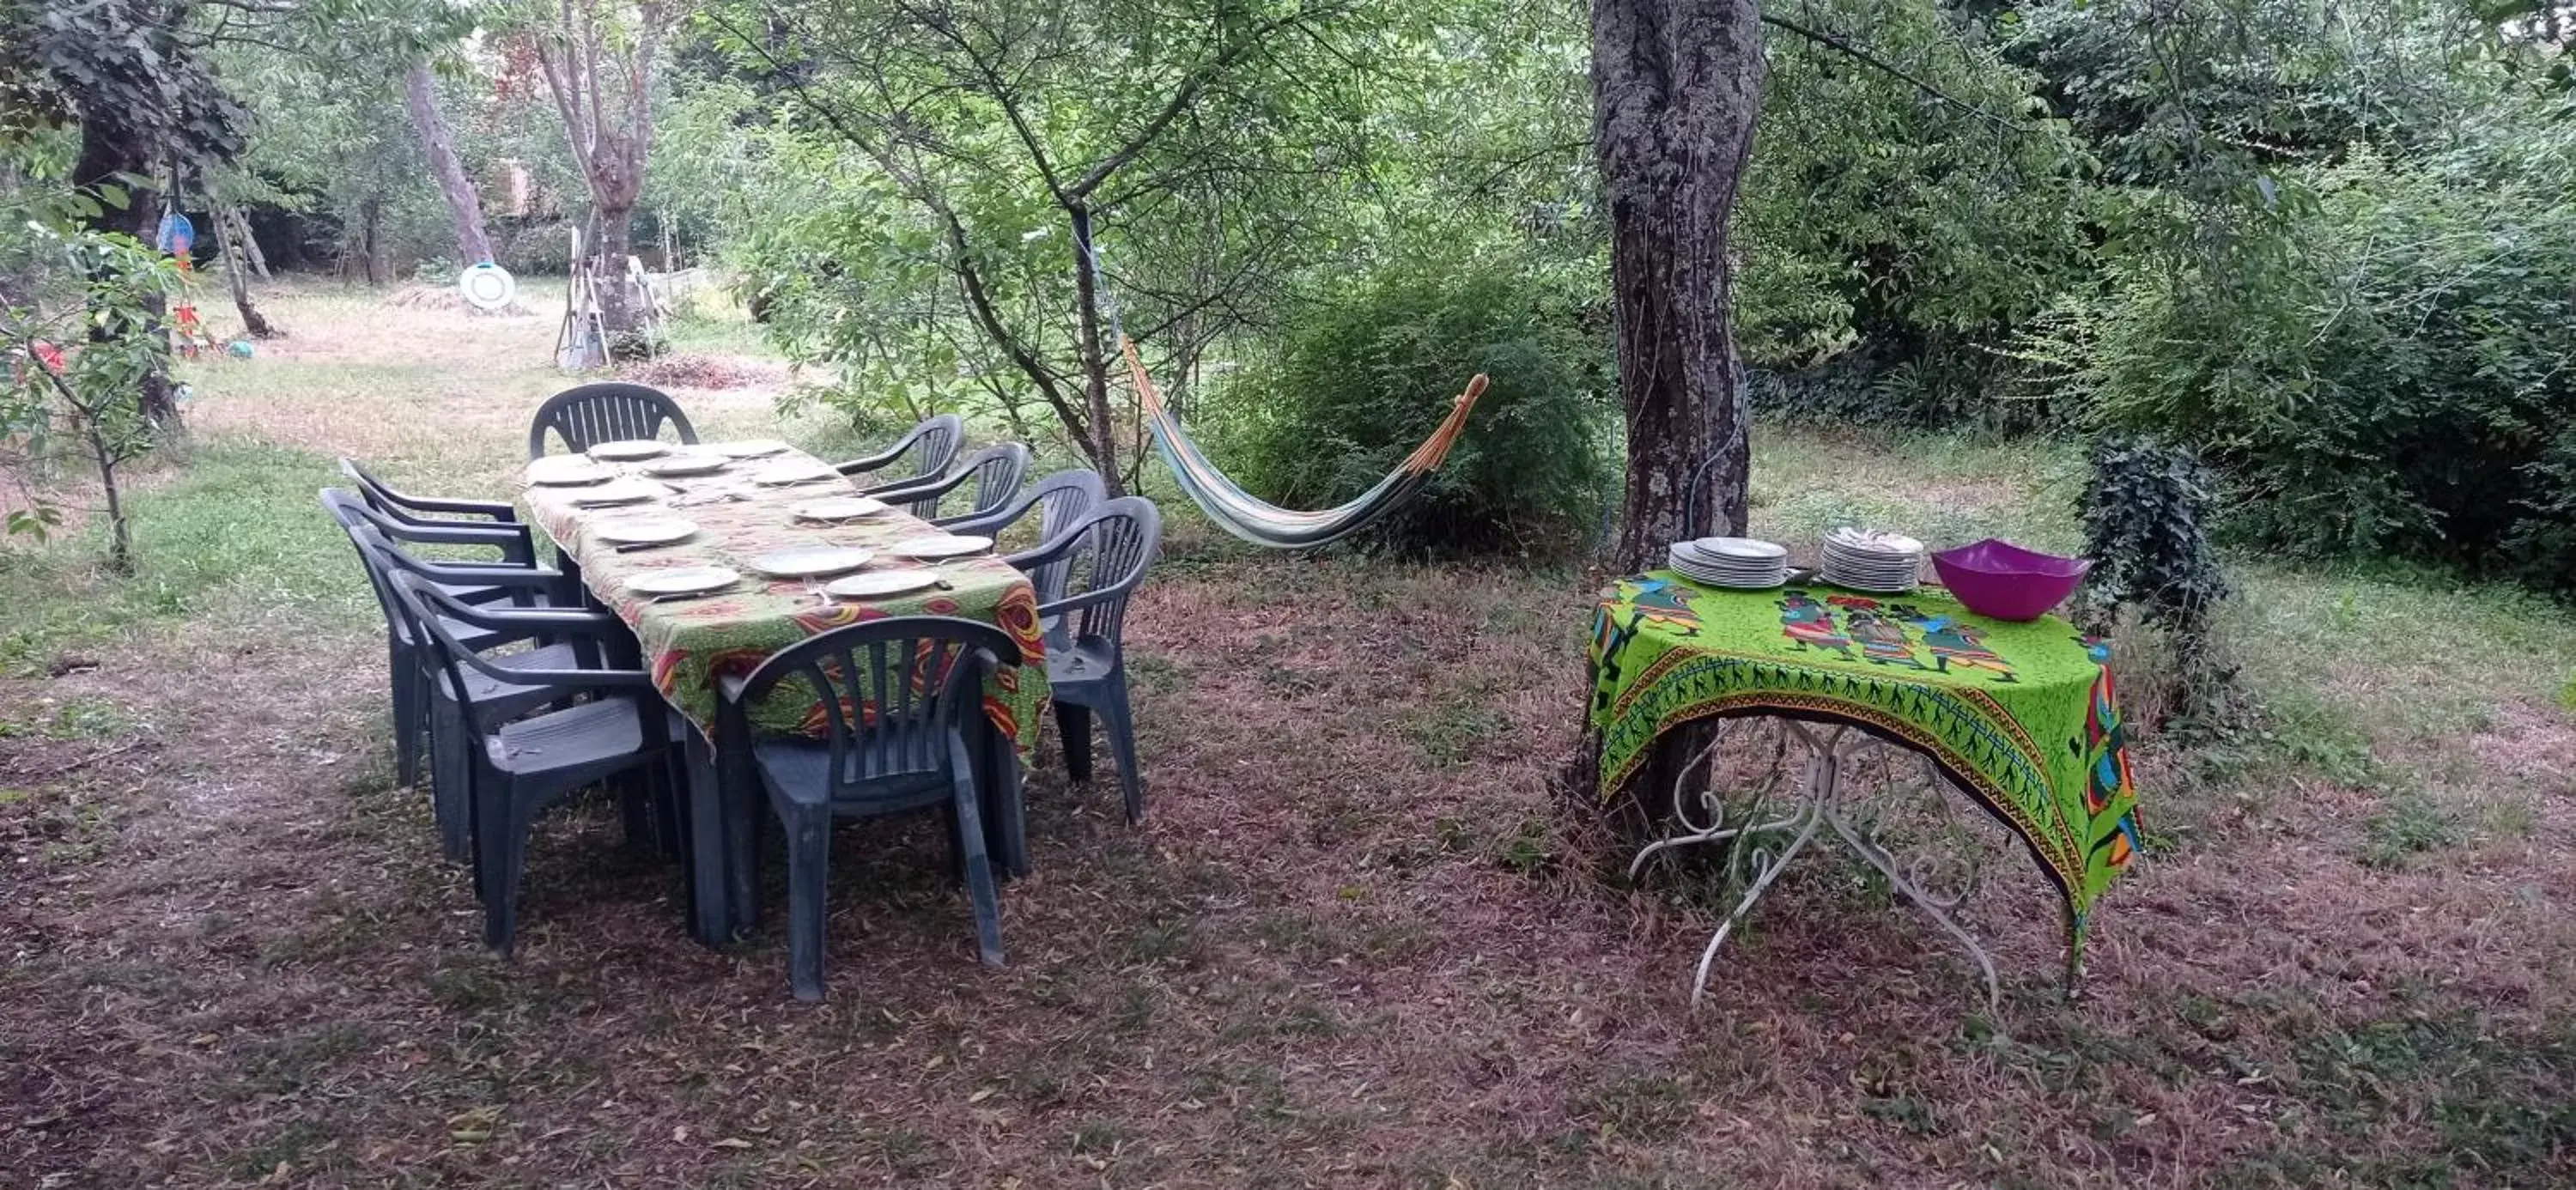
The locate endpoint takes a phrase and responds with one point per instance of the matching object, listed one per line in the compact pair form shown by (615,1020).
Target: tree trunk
(249,243)
(619,311)
(104,154)
(255,324)
(1102,446)
(1676,89)
(420,98)
(370,245)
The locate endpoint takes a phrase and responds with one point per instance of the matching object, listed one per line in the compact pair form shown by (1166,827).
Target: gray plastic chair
(921,679)
(1086,655)
(496,701)
(405,673)
(933,444)
(996,470)
(440,511)
(519,769)
(586,415)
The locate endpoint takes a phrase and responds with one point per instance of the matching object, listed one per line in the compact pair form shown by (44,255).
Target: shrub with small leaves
(2146,517)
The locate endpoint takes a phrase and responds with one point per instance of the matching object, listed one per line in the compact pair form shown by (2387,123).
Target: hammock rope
(1262,523)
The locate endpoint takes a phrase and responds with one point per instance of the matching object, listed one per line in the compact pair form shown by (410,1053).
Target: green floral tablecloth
(689,644)
(2022,716)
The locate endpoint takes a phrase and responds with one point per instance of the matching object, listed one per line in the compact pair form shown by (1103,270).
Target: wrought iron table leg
(1814,817)
(1879,858)
(1820,804)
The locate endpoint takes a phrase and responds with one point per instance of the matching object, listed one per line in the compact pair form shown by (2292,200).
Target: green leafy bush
(2379,362)
(1353,387)
(2146,517)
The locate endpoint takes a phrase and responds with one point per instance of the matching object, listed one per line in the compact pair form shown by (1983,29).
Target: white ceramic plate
(1874,541)
(940,545)
(644,530)
(624,491)
(810,561)
(686,464)
(793,471)
(682,580)
(877,584)
(1748,548)
(563,471)
(627,450)
(841,508)
(753,449)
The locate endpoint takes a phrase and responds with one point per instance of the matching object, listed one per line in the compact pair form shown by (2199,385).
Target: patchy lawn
(1351,947)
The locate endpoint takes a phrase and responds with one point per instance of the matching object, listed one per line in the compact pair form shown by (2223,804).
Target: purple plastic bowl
(2006,582)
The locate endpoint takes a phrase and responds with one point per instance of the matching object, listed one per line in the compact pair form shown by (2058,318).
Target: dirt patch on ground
(707,372)
(1347,950)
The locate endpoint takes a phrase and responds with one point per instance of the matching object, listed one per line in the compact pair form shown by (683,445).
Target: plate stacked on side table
(1740,563)
(1867,560)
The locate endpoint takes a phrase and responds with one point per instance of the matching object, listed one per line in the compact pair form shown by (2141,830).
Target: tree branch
(1182,97)
(1857,54)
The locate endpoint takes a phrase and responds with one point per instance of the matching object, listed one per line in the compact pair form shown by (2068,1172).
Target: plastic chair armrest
(991,522)
(875,462)
(502,513)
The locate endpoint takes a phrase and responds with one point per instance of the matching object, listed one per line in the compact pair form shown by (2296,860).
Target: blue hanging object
(177,234)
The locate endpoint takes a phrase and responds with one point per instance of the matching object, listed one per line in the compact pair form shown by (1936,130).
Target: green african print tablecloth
(2022,716)
(689,644)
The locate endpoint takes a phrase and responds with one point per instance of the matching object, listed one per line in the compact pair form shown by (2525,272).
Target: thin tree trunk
(370,245)
(438,142)
(1102,446)
(1676,90)
(249,243)
(253,322)
(120,545)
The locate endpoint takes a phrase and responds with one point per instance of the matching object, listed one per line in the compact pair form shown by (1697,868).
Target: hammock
(1265,524)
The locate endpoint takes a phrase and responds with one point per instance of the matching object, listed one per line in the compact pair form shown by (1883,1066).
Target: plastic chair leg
(969,842)
(809,871)
(501,851)
(408,694)
(449,780)
(634,790)
(1121,722)
(1075,720)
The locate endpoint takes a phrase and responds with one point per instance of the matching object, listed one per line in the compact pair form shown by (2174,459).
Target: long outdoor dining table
(691,646)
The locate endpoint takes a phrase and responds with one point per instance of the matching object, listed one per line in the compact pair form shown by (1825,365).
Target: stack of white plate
(1738,562)
(1868,560)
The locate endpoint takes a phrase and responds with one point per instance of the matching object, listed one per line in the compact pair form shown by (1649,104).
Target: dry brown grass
(1349,948)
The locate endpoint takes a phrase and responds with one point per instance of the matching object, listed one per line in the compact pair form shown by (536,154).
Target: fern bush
(1353,386)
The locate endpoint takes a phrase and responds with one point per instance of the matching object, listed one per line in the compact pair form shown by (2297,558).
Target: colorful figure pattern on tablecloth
(1809,624)
(2108,790)
(1977,695)
(1954,643)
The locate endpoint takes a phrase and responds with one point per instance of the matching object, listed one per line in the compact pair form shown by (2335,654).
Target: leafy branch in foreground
(93,394)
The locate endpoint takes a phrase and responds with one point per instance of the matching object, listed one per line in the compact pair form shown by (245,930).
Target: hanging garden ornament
(487,286)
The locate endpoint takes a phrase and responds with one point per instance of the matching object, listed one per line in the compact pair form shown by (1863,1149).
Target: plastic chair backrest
(935,442)
(890,692)
(1119,542)
(354,517)
(586,415)
(1062,499)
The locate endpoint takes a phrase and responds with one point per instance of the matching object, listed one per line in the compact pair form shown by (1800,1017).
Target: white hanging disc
(487,286)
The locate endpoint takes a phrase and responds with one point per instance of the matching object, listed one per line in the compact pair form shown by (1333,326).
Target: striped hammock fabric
(1265,524)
